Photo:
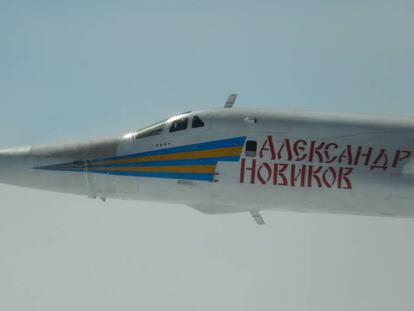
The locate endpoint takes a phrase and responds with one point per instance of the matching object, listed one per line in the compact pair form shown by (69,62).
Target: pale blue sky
(80,69)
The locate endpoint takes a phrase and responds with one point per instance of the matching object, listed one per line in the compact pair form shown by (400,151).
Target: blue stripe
(79,166)
(70,169)
(184,162)
(233,142)
(186,176)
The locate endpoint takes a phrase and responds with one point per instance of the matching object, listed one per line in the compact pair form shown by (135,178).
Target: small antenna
(230,101)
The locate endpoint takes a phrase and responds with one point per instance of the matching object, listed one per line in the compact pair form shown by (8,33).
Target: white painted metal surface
(238,160)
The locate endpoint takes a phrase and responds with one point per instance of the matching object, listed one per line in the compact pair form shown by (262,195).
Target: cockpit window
(179,125)
(150,131)
(197,122)
(251,148)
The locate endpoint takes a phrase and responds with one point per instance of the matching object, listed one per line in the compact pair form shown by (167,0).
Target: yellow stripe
(221,152)
(198,169)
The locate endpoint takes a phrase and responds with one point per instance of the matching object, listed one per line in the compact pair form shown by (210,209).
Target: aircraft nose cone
(12,163)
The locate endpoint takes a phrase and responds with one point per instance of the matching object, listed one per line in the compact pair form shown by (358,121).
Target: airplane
(233,160)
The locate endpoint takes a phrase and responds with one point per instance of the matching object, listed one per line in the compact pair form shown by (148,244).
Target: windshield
(151,130)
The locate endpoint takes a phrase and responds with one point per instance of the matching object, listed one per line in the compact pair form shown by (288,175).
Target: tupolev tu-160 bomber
(232,160)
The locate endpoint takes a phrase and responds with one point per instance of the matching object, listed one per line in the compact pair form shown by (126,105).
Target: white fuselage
(238,160)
